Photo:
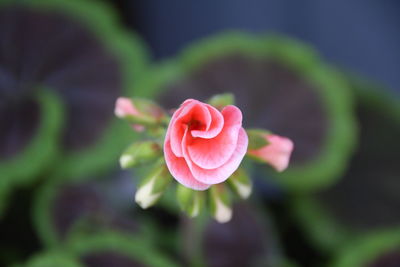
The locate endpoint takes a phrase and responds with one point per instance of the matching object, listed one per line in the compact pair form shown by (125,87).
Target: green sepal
(221,100)
(140,153)
(257,138)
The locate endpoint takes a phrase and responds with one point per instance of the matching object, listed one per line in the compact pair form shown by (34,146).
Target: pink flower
(204,146)
(276,153)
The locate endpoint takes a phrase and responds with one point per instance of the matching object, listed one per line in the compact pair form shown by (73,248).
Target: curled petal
(220,174)
(188,112)
(180,170)
(213,153)
(214,128)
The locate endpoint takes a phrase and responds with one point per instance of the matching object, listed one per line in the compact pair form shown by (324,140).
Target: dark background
(360,35)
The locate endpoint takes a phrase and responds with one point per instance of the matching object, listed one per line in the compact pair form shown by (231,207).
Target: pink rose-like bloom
(276,153)
(204,146)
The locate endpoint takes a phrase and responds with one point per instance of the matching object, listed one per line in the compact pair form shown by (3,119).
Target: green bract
(280,85)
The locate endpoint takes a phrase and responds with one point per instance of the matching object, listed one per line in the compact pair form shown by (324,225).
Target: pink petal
(213,129)
(188,112)
(213,153)
(223,172)
(177,133)
(180,170)
(124,107)
(189,101)
(276,153)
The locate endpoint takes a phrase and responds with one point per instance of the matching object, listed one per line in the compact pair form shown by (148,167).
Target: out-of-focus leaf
(66,206)
(367,197)
(77,51)
(379,249)
(26,150)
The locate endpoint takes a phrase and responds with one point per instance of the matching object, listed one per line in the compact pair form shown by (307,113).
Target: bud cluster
(146,116)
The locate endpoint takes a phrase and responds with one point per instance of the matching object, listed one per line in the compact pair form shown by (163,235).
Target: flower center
(196,125)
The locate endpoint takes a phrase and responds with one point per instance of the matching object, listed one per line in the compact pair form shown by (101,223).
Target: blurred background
(323,73)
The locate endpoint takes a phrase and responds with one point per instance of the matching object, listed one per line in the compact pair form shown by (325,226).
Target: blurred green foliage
(366,198)
(76,209)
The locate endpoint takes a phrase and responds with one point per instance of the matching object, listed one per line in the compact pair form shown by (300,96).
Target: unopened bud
(241,183)
(190,201)
(139,112)
(276,152)
(152,188)
(220,204)
(140,153)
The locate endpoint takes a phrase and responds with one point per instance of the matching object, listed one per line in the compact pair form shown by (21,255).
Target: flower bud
(124,107)
(139,112)
(241,183)
(189,200)
(152,188)
(220,203)
(222,100)
(140,153)
(276,152)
